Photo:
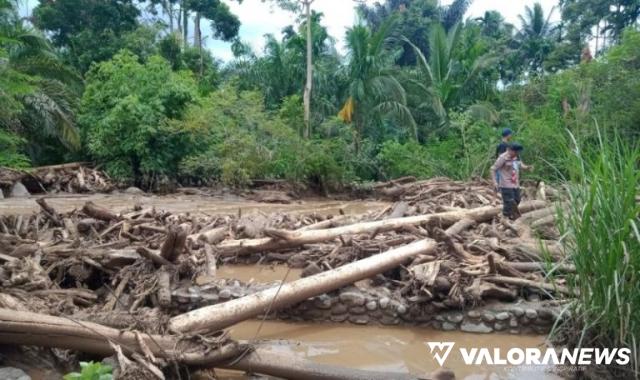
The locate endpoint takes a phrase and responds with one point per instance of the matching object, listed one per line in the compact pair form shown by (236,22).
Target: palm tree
(373,90)
(535,37)
(39,89)
(442,80)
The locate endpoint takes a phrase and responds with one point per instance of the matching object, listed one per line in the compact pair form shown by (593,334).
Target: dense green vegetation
(420,91)
(601,229)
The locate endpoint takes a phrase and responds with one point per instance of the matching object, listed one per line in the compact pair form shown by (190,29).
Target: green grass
(601,232)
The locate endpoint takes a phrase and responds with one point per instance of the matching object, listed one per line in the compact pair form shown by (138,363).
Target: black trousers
(510,201)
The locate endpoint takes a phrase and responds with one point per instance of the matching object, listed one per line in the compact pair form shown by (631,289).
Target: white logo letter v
(439,347)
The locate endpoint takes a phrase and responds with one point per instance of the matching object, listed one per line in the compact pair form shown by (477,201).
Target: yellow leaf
(346,113)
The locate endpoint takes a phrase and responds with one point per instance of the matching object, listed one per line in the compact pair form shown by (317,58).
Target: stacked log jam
(106,283)
(65,178)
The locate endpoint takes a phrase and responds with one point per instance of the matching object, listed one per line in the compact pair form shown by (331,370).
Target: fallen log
(213,236)
(33,329)
(290,239)
(174,243)
(49,211)
(219,316)
(549,287)
(265,361)
(97,212)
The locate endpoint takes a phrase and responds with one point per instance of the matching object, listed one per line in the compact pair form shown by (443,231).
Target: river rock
(339,308)
(19,191)
(401,309)
(387,320)
(488,317)
(518,312)
(384,302)
(322,302)
(474,327)
(514,331)
(359,319)
(371,305)
(531,314)
(513,322)
(133,191)
(455,318)
(225,294)
(357,310)
(475,314)
(353,298)
(503,316)
(448,326)
(533,297)
(11,373)
(339,318)
(499,326)
(546,314)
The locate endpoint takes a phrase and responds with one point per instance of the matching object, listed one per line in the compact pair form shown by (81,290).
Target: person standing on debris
(506,175)
(507,134)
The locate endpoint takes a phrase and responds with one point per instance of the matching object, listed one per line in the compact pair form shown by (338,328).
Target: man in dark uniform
(506,140)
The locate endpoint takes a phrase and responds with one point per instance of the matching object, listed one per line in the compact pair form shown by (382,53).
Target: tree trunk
(197,36)
(290,239)
(97,212)
(32,329)
(174,243)
(26,328)
(185,25)
(219,316)
(309,84)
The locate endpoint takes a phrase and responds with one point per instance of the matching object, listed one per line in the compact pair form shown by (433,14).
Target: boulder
(19,191)
(133,191)
(473,327)
(11,373)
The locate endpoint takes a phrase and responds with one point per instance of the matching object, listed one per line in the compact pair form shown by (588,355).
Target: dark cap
(506,132)
(516,147)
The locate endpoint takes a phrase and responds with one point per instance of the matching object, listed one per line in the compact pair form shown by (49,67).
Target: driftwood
(226,314)
(290,239)
(549,287)
(26,328)
(174,243)
(97,212)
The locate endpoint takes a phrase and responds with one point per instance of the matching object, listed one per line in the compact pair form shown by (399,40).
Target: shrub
(10,151)
(127,113)
(409,159)
(91,371)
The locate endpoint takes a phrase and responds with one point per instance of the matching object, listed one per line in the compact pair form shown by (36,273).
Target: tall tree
(536,37)
(443,79)
(373,91)
(38,92)
(414,18)
(88,30)
(599,19)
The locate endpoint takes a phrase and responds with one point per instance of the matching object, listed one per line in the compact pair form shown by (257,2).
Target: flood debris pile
(66,178)
(142,285)
(104,284)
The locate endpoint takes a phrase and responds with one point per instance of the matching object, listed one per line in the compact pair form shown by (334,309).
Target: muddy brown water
(198,204)
(395,349)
